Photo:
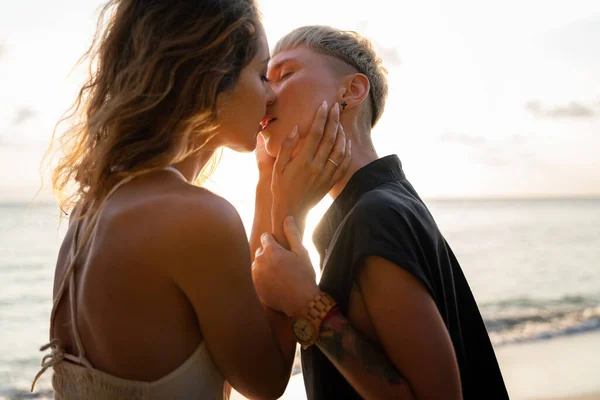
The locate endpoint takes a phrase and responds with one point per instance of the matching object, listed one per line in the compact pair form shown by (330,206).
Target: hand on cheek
(298,147)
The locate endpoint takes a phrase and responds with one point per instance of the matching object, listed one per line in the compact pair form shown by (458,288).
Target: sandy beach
(559,369)
(565,368)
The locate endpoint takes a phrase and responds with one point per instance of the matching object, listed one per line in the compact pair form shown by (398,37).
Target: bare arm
(415,359)
(262,223)
(279,322)
(212,268)
(262,213)
(363,362)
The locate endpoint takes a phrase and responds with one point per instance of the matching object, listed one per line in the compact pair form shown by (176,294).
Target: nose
(271,96)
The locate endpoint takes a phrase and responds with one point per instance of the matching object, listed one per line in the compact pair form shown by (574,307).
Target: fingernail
(349,144)
(289,220)
(294,132)
(263,237)
(337,108)
(324,106)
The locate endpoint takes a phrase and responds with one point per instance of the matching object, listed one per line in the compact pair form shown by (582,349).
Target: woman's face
(241,110)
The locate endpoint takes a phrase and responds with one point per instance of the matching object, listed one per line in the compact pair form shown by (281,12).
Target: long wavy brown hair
(156,70)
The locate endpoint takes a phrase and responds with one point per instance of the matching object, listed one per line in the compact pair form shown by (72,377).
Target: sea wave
(525,319)
(18,394)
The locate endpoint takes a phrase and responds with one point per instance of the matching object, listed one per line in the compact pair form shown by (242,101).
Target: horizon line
(49,202)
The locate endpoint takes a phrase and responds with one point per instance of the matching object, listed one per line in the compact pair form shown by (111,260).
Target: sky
(486,98)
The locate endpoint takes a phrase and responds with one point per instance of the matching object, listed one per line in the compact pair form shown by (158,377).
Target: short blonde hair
(349,47)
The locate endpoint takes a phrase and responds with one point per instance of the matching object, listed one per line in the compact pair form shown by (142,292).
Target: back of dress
(75,377)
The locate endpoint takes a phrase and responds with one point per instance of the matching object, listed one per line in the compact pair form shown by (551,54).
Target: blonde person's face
(243,108)
(301,79)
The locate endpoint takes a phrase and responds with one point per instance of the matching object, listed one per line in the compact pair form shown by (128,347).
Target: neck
(363,153)
(192,166)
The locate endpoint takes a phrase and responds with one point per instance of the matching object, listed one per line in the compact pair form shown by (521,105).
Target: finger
(293,236)
(260,142)
(258,252)
(336,155)
(268,241)
(341,170)
(315,134)
(287,148)
(329,138)
(260,147)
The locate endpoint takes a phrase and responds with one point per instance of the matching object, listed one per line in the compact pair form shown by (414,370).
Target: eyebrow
(277,66)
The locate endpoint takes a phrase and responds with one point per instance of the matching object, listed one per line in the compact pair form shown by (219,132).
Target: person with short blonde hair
(393,315)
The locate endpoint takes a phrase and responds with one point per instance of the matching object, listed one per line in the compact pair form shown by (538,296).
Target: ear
(356,90)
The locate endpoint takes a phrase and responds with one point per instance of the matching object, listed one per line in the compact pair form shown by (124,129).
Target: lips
(266,121)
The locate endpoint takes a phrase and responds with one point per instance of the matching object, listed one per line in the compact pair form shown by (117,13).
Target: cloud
(571,110)
(23,115)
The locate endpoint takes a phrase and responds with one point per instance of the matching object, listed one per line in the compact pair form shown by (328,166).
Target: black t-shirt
(380,214)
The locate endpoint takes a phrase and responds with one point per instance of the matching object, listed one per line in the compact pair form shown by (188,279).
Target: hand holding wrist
(307,322)
(281,210)
(299,301)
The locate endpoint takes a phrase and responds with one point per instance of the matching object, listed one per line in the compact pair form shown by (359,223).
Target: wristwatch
(306,324)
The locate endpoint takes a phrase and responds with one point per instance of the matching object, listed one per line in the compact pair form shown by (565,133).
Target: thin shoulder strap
(70,276)
(58,353)
(91,228)
(81,358)
(176,171)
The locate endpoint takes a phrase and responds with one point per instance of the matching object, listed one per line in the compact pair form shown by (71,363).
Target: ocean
(533,266)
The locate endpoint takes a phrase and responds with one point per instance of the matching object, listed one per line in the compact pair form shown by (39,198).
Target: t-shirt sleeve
(387,231)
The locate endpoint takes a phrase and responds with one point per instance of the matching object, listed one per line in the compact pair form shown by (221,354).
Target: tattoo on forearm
(342,343)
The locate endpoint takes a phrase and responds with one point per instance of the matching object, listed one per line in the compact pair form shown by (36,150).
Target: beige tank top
(75,378)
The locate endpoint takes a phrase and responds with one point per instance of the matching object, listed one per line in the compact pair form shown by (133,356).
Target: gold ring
(333,162)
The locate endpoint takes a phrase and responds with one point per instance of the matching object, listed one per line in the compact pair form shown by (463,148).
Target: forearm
(280,326)
(362,362)
(262,215)
(279,322)
(279,213)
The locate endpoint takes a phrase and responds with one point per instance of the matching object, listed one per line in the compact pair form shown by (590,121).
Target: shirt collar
(380,171)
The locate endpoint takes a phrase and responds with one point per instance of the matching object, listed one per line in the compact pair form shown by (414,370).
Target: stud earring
(344,105)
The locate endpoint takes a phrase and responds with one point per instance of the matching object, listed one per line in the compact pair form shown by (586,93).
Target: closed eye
(285,75)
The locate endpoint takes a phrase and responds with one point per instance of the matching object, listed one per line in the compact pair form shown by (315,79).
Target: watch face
(303,330)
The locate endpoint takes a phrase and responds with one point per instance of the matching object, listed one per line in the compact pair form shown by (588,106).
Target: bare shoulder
(199,211)
(174,226)
(208,235)
(196,219)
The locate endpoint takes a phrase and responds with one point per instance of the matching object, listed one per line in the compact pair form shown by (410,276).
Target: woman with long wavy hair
(153,294)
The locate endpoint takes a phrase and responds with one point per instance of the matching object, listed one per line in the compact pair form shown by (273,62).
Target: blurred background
(494,110)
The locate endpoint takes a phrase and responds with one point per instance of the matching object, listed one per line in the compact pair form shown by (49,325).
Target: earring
(344,105)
